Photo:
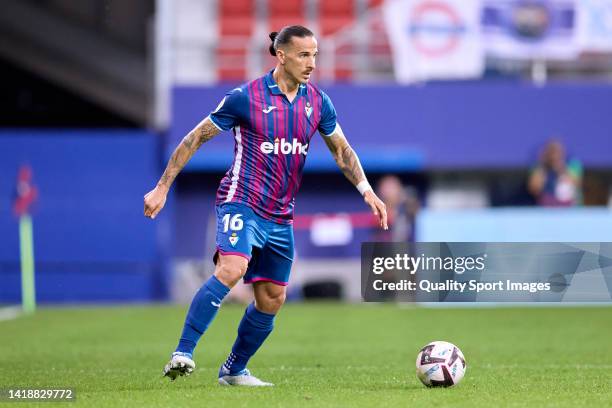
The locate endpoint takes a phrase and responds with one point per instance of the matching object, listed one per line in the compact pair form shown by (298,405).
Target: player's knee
(278,299)
(271,302)
(228,275)
(229,271)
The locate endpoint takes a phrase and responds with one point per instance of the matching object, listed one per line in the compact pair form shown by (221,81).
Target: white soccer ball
(440,364)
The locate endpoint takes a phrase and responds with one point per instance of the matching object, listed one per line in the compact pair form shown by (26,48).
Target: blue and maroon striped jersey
(271,142)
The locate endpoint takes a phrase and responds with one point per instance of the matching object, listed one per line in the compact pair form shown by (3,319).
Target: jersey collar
(275,90)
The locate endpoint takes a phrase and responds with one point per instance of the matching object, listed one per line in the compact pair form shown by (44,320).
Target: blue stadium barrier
(91,240)
(515,225)
(497,124)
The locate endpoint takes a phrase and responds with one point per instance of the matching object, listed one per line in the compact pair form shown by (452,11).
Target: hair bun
(273,36)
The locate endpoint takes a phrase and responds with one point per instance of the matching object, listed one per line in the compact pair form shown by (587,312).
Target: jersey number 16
(232,222)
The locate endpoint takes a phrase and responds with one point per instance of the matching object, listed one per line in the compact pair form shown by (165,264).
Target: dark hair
(283,36)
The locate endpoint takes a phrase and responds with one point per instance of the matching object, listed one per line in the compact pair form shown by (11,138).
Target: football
(440,364)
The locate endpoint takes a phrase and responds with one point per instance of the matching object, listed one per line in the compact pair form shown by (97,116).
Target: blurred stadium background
(448,103)
(476,120)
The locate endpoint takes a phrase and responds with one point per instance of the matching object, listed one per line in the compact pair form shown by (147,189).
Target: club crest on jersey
(233,239)
(308,109)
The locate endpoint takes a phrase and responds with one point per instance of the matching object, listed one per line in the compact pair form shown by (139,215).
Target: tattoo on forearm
(186,149)
(350,166)
(346,158)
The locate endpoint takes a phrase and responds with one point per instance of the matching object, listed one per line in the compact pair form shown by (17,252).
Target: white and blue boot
(243,378)
(179,365)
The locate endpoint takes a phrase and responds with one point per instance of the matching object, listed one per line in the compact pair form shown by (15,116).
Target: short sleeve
(229,111)
(328,123)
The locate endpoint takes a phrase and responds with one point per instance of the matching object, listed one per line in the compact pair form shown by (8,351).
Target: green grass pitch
(320,355)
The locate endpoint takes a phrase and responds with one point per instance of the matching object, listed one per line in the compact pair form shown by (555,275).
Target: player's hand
(154,201)
(378,208)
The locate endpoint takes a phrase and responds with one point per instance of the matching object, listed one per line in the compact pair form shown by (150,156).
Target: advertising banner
(434,39)
(594,25)
(535,29)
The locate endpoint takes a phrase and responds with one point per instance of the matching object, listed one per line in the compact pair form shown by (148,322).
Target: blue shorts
(266,244)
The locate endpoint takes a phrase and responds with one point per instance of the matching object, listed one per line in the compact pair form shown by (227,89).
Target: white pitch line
(506,305)
(470,366)
(9,313)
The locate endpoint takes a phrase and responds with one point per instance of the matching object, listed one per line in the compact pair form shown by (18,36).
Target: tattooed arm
(155,199)
(348,162)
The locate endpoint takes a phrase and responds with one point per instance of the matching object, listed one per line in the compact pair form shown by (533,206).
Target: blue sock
(252,332)
(202,311)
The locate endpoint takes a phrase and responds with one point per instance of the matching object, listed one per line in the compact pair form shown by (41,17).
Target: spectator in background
(556,181)
(402,206)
